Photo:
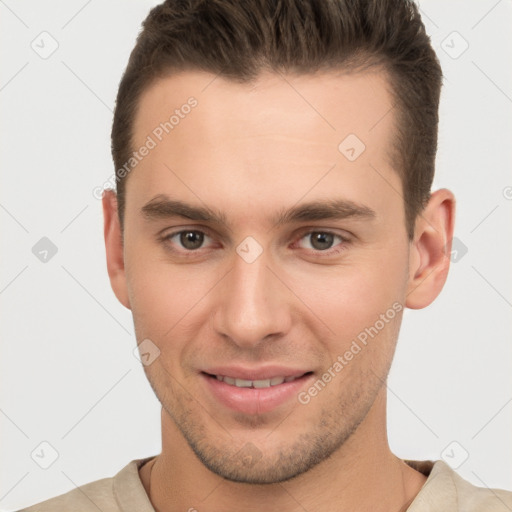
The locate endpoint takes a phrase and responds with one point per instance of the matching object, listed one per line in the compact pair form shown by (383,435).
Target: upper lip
(259,373)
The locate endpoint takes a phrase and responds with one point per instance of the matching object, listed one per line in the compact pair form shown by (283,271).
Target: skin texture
(251,151)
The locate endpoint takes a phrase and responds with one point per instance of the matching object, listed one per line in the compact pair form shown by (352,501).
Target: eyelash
(190,253)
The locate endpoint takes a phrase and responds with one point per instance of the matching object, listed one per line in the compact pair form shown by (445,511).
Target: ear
(429,255)
(114,247)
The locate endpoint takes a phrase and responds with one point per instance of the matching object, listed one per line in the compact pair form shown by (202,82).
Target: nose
(252,303)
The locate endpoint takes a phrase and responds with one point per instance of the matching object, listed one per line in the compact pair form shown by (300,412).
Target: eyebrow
(162,207)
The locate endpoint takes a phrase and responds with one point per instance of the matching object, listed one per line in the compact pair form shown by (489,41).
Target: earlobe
(114,248)
(429,258)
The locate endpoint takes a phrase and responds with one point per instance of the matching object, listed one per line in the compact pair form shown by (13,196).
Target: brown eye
(187,243)
(321,241)
(191,239)
(326,243)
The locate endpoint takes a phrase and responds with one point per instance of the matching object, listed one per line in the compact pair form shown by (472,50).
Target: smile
(244,383)
(255,396)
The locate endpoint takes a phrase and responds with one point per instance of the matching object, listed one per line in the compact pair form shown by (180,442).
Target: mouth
(259,384)
(254,396)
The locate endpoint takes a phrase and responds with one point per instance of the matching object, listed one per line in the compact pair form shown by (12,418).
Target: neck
(362,475)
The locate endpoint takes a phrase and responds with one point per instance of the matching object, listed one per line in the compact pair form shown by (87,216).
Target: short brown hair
(238,39)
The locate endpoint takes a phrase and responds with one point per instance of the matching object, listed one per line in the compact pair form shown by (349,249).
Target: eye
(189,239)
(322,241)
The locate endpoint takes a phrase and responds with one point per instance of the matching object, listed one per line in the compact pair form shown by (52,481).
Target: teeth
(264,383)
(242,383)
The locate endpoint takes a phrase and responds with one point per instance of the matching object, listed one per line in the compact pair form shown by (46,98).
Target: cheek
(351,297)
(164,298)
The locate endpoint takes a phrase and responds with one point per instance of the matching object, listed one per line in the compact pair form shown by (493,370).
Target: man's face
(296,293)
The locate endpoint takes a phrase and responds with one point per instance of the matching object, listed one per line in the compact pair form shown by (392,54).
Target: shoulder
(447,490)
(472,498)
(89,497)
(121,492)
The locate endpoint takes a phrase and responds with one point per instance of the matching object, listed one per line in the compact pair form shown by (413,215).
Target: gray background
(68,374)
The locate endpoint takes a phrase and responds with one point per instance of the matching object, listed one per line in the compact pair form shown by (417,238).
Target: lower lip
(254,400)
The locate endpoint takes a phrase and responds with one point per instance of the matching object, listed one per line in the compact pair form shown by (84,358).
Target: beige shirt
(443,491)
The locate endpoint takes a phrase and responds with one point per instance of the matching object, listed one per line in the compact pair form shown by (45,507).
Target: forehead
(329,103)
(277,137)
